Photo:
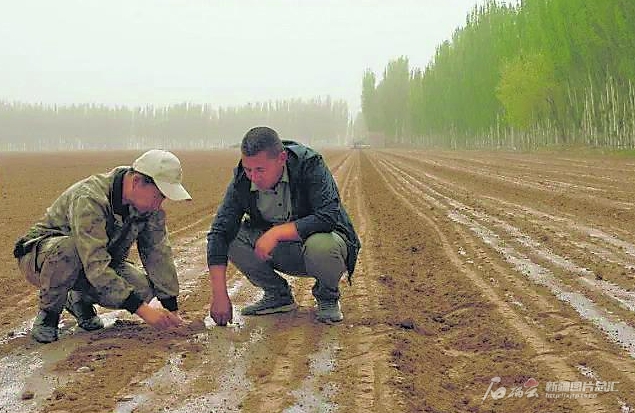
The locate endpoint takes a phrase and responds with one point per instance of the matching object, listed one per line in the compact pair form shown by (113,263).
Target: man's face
(263,170)
(146,196)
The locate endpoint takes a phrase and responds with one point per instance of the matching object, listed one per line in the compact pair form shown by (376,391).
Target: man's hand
(159,318)
(265,244)
(220,309)
(269,240)
(220,306)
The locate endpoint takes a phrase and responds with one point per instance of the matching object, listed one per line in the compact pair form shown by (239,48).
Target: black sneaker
(329,311)
(271,303)
(45,326)
(84,312)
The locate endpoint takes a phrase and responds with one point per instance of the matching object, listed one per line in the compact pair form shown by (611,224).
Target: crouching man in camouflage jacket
(77,253)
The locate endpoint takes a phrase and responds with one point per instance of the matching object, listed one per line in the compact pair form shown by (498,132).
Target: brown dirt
(474,265)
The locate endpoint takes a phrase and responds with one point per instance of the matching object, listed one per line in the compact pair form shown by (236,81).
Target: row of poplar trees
(542,72)
(319,121)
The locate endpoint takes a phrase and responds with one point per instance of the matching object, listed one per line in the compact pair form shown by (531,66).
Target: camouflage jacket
(91,211)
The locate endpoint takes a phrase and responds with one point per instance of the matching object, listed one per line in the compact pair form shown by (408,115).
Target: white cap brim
(175,192)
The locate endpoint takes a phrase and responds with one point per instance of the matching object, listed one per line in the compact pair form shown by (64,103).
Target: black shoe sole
(282,309)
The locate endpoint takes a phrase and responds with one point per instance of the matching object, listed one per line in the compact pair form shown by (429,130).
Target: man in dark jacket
(282,211)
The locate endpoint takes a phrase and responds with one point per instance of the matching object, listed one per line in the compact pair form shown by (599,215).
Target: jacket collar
(116,199)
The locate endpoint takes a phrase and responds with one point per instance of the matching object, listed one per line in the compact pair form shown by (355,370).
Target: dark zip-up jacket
(315,203)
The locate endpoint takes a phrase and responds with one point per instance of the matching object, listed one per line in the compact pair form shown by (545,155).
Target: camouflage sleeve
(87,220)
(157,258)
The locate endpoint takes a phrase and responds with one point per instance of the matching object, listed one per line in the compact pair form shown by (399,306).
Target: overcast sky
(226,52)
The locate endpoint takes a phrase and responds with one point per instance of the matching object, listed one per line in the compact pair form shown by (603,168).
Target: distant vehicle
(360,145)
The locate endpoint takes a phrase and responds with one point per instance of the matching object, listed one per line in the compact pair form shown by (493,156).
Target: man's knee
(57,262)
(26,263)
(325,258)
(324,245)
(241,253)
(53,266)
(138,278)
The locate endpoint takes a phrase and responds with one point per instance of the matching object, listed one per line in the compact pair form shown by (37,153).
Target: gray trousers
(55,268)
(322,256)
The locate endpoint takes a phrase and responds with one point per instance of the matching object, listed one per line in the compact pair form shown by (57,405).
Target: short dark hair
(261,138)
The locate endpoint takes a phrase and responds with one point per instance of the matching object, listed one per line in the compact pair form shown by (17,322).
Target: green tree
(369,98)
(526,89)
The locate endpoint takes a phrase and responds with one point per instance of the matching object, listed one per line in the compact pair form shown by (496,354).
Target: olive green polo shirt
(275,204)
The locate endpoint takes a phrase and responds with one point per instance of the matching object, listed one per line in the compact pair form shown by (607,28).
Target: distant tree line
(541,73)
(186,126)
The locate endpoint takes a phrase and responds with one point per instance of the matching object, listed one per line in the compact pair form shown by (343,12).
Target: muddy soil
(487,282)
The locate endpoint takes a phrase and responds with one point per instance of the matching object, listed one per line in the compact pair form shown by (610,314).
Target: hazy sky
(227,52)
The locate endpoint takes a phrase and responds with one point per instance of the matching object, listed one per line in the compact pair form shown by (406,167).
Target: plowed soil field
(487,282)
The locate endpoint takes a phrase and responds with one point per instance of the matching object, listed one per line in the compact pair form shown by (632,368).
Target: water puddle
(234,385)
(25,379)
(315,392)
(15,371)
(625,298)
(617,330)
(177,383)
(169,376)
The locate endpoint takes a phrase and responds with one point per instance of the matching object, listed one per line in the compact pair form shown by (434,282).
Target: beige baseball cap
(165,169)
